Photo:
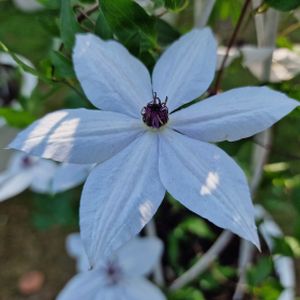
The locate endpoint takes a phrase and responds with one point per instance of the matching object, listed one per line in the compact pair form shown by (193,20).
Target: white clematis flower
(121,276)
(145,145)
(285,62)
(24,172)
(40,175)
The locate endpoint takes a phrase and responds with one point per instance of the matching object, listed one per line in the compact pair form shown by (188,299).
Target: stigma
(156,113)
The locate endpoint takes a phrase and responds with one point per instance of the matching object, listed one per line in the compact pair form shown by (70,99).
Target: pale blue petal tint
(208,182)
(44,171)
(68,176)
(140,255)
(110,76)
(90,286)
(15,179)
(12,184)
(119,198)
(233,115)
(140,289)
(186,69)
(76,250)
(78,135)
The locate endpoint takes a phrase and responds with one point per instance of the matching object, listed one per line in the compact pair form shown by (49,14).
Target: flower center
(156,113)
(113,272)
(27,162)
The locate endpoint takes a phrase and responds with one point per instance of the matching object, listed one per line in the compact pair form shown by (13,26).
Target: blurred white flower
(145,144)
(285,63)
(119,277)
(28,5)
(40,175)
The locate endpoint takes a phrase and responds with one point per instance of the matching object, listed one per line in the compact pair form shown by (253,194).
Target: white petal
(111,77)
(12,184)
(87,285)
(119,197)
(44,171)
(28,5)
(78,135)
(140,255)
(141,289)
(285,63)
(68,176)
(208,182)
(91,286)
(186,69)
(75,249)
(233,115)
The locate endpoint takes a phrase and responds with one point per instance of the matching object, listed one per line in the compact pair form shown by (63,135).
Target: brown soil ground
(24,249)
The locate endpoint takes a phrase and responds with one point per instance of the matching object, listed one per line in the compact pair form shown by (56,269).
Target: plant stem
(230,44)
(204,262)
(290,29)
(83,15)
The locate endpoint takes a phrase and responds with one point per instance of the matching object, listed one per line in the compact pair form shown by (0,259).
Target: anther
(156,113)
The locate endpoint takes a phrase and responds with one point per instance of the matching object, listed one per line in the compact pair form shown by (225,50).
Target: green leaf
(62,65)
(102,28)
(166,34)
(20,63)
(68,24)
(130,23)
(23,65)
(187,294)
(176,5)
(257,274)
(16,118)
(282,247)
(51,4)
(269,290)
(49,211)
(283,5)
(198,227)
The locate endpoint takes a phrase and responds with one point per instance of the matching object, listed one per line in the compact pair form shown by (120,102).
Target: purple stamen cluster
(27,162)
(113,272)
(156,113)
